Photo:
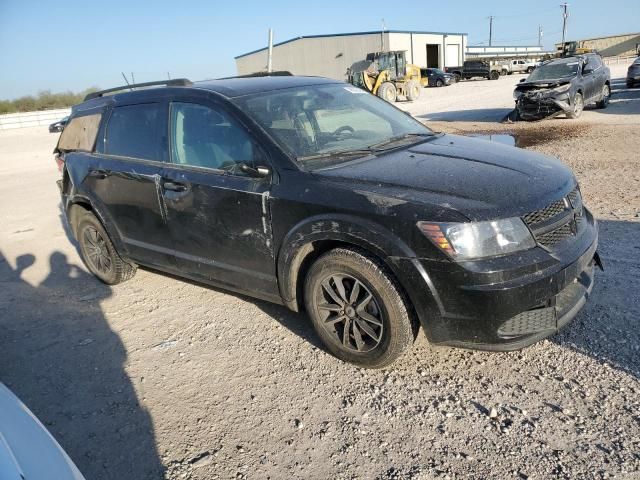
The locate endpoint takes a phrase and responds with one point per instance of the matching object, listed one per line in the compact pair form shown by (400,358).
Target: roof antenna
(125,79)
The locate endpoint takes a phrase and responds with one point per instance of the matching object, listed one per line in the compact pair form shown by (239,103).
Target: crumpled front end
(539,104)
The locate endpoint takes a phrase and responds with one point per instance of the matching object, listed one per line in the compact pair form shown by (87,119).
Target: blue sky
(72,45)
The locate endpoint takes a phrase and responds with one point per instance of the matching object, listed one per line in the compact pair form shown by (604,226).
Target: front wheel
(494,75)
(387,91)
(99,254)
(357,308)
(578,106)
(530,69)
(604,96)
(456,77)
(439,83)
(412,90)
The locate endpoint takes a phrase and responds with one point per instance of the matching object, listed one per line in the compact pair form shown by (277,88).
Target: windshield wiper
(376,147)
(337,154)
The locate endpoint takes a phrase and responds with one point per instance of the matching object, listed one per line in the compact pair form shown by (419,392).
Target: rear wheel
(99,254)
(578,106)
(456,77)
(604,96)
(413,90)
(357,308)
(387,91)
(439,83)
(494,75)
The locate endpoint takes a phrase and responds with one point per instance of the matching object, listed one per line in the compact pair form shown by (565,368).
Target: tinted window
(80,133)
(138,131)
(205,137)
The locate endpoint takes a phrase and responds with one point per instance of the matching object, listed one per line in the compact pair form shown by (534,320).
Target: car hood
(477,178)
(27,449)
(550,83)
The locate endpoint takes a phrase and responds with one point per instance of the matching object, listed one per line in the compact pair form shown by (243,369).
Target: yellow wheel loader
(387,75)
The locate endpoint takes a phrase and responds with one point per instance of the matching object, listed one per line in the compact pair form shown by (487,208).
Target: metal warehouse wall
(323,56)
(453,46)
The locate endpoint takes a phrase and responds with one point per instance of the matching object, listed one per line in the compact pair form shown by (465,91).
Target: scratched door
(218,215)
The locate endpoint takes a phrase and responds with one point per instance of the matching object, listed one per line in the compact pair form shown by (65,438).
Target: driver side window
(202,136)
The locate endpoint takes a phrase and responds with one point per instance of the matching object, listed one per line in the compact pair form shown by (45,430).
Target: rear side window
(80,133)
(138,131)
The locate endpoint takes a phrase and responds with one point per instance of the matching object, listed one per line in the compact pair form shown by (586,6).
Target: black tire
(99,254)
(578,106)
(504,72)
(456,77)
(629,83)
(412,89)
(530,69)
(494,75)
(439,83)
(366,343)
(387,91)
(605,96)
(509,73)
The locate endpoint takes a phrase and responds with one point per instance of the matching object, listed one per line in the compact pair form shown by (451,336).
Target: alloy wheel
(350,312)
(97,252)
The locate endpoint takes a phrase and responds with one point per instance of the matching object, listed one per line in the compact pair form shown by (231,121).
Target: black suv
(314,194)
(564,85)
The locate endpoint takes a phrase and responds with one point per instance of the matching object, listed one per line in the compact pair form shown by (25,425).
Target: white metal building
(331,55)
(520,51)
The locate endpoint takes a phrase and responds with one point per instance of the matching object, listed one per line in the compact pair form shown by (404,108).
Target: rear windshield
(80,133)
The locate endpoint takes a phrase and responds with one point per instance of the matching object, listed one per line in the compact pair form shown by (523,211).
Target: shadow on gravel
(59,355)
(297,323)
(607,328)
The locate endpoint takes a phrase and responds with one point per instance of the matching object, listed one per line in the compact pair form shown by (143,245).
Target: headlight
(463,241)
(562,88)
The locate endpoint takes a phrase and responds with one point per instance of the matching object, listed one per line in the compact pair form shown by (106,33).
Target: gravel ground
(161,378)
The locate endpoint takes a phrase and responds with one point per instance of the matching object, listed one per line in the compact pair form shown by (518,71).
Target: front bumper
(541,105)
(503,303)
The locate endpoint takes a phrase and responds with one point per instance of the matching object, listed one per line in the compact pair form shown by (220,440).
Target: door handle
(175,186)
(99,173)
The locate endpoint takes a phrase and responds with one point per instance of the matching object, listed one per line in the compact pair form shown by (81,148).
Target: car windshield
(437,71)
(554,70)
(325,123)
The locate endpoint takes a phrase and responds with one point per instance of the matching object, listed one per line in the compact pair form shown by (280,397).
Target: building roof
(374,32)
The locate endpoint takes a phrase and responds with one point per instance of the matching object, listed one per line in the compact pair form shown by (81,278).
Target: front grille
(557,222)
(544,214)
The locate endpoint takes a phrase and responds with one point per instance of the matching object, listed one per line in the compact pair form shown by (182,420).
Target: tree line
(44,100)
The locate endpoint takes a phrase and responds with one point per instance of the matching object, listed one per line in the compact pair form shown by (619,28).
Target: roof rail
(177,82)
(277,73)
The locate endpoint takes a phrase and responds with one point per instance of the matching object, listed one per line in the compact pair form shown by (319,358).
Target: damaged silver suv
(564,85)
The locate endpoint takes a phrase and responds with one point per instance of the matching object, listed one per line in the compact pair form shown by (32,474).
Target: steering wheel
(343,132)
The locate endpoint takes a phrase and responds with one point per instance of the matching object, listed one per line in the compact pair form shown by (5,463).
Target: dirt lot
(160,378)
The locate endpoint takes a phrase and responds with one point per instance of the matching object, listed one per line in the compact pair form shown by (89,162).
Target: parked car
(311,193)
(434,77)
(27,449)
(474,69)
(59,125)
(633,73)
(517,66)
(564,85)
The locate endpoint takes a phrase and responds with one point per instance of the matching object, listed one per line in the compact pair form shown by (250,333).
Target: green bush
(45,100)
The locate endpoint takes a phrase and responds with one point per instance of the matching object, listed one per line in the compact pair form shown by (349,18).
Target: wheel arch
(317,235)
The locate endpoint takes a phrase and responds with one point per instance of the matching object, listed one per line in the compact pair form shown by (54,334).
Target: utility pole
(565,14)
(490,29)
(539,35)
(270,54)
(384,27)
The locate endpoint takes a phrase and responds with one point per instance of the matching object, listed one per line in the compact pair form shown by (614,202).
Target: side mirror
(523,80)
(257,172)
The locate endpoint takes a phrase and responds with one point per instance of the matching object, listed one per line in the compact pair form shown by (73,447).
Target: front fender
(299,243)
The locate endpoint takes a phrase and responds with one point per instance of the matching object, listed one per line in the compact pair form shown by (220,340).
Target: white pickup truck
(516,66)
